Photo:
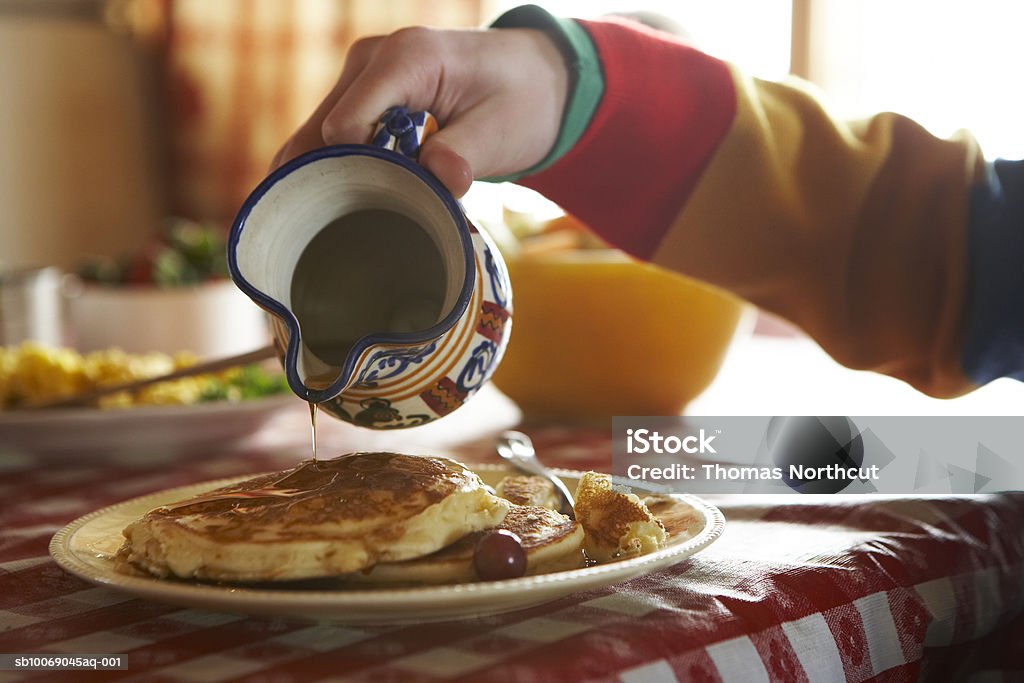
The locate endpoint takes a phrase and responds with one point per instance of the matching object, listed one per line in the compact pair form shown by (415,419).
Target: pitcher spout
(318,373)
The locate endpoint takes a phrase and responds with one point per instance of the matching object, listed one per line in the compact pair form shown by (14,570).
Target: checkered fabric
(797,589)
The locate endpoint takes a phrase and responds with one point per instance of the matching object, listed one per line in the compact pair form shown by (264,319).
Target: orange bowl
(596,334)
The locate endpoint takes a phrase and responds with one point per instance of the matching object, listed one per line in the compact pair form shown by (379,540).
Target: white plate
(86,547)
(162,428)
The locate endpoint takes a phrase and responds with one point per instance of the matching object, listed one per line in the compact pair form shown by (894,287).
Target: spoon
(517,449)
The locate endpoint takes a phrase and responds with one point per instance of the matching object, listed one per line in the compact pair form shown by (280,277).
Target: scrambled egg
(31,373)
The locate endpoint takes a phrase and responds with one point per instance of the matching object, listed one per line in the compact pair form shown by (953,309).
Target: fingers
(498,97)
(405,70)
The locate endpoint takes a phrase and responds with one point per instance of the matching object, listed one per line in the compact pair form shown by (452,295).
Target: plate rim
(362,598)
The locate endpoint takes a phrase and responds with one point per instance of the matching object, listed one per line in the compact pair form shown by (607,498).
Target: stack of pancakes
(371,518)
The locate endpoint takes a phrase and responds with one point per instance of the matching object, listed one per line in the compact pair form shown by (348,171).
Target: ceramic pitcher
(388,307)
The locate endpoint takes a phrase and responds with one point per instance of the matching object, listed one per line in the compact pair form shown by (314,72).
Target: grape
(499,555)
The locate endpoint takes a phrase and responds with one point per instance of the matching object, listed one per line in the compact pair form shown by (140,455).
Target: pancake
(552,542)
(529,490)
(617,523)
(319,519)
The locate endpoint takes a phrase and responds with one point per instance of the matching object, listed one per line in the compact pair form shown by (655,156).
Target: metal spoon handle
(517,449)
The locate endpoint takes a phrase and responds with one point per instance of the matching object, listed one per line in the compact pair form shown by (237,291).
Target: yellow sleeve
(856,232)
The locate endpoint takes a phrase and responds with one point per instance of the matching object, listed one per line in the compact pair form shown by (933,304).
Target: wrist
(586,82)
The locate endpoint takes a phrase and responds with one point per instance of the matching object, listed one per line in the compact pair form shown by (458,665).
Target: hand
(498,96)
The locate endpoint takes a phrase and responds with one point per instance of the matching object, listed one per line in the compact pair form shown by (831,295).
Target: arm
(897,251)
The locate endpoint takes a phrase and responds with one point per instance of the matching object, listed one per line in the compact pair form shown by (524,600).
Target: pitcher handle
(403,131)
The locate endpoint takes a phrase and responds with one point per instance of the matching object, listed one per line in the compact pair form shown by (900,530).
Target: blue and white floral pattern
(476,371)
(391,362)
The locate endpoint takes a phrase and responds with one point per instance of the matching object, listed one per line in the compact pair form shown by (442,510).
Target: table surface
(797,588)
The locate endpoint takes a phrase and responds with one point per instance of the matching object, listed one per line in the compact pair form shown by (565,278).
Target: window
(948,64)
(754,34)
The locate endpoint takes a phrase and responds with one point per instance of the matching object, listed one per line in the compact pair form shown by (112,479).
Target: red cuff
(665,109)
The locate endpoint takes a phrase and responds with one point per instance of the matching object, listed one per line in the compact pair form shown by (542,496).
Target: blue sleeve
(994,345)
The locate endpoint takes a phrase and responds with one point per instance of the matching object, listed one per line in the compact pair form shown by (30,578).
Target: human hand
(498,96)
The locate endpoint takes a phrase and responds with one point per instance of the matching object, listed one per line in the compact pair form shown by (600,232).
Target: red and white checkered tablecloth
(797,588)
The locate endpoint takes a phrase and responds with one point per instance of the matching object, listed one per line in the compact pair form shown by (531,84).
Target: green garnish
(245,384)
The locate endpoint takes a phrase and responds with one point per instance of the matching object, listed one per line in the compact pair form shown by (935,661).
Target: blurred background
(116,114)
(119,112)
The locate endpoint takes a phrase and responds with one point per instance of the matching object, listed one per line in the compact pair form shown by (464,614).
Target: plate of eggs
(169,416)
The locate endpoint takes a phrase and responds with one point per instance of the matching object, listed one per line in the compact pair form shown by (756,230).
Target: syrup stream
(317,382)
(312,423)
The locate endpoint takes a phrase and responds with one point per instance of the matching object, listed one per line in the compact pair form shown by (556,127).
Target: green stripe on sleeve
(586,79)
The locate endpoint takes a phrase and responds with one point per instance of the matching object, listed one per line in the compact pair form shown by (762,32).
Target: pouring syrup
(312,422)
(316,382)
